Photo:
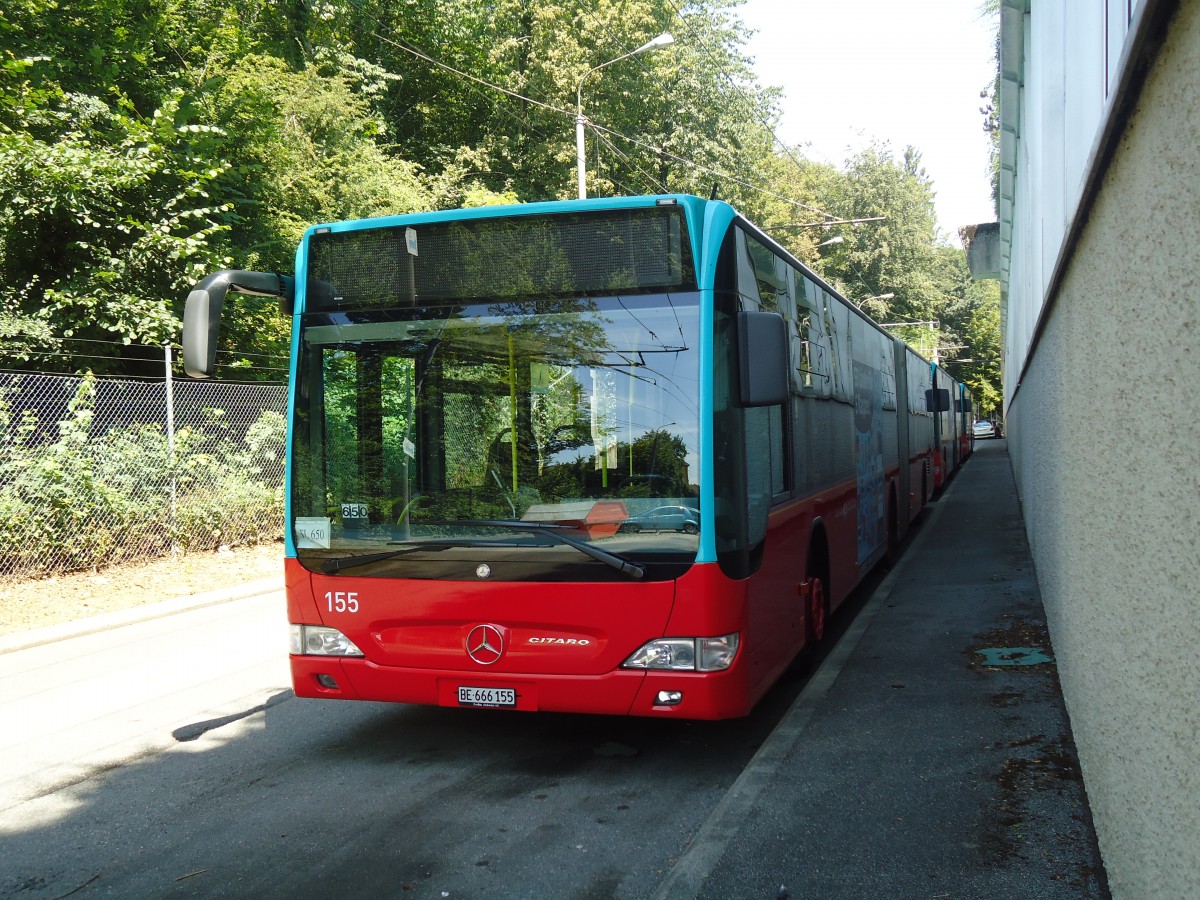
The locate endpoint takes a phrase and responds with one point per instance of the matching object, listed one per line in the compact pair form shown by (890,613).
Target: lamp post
(661,41)
(887,296)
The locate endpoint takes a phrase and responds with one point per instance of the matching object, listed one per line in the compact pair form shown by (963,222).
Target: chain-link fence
(97,471)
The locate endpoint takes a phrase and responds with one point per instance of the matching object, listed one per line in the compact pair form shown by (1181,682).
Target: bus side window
(769,274)
(747,277)
(761,282)
(838,327)
(801,378)
(813,364)
(887,365)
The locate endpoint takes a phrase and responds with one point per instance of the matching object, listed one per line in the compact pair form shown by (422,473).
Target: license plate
(481,696)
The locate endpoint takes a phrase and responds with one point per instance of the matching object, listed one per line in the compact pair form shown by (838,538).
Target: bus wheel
(893,533)
(817,611)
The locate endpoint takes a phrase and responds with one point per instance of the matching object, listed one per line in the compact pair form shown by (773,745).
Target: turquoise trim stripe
(289,543)
(707,223)
(717,218)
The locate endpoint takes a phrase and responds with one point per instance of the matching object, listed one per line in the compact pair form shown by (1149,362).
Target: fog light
(668,698)
(327,681)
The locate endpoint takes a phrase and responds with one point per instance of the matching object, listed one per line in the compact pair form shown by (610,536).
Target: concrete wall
(1104,432)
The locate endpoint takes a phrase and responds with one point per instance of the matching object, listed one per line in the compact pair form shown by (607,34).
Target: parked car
(663,518)
(983,429)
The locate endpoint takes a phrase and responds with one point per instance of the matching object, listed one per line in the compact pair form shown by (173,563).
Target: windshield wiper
(337,564)
(550,530)
(349,562)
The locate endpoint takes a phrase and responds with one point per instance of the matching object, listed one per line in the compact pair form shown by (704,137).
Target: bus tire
(893,531)
(816,605)
(816,614)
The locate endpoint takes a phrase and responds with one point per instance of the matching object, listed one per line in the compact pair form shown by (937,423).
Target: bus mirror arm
(202,312)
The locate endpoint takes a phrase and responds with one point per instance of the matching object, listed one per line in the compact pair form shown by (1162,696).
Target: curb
(23,640)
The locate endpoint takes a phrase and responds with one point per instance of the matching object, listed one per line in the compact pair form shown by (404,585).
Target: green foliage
(106,224)
(301,151)
(894,256)
(144,143)
(982,338)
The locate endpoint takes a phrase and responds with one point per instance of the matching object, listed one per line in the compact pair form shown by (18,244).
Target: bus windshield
(425,430)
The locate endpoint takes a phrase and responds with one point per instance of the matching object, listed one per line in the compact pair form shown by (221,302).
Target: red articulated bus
(952,425)
(617,456)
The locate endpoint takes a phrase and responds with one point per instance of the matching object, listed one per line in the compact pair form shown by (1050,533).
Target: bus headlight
(711,654)
(317,640)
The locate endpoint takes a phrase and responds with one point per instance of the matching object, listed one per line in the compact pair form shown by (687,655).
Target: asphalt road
(169,758)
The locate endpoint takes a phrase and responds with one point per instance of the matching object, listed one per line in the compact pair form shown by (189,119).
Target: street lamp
(887,296)
(661,41)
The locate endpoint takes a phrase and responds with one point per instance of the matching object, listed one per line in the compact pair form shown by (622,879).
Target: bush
(91,498)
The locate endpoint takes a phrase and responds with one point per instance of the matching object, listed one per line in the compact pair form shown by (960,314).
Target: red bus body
(633,500)
(419,657)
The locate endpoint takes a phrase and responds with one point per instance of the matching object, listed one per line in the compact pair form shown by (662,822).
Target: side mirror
(937,400)
(762,358)
(202,312)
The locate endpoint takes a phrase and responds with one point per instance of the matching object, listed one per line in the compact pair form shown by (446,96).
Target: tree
(144,143)
(896,255)
(104,224)
(109,190)
(981,335)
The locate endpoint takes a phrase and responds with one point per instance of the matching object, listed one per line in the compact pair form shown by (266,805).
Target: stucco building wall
(1103,422)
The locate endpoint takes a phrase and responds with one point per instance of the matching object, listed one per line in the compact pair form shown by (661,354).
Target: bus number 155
(342,601)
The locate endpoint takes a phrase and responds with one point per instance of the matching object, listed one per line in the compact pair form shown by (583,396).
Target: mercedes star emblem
(485,644)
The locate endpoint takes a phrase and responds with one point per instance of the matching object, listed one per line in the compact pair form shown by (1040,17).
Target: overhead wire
(708,169)
(750,105)
(524,123)
(737,87)
(420,55)
(408,47)
(414,51)
(654,182)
